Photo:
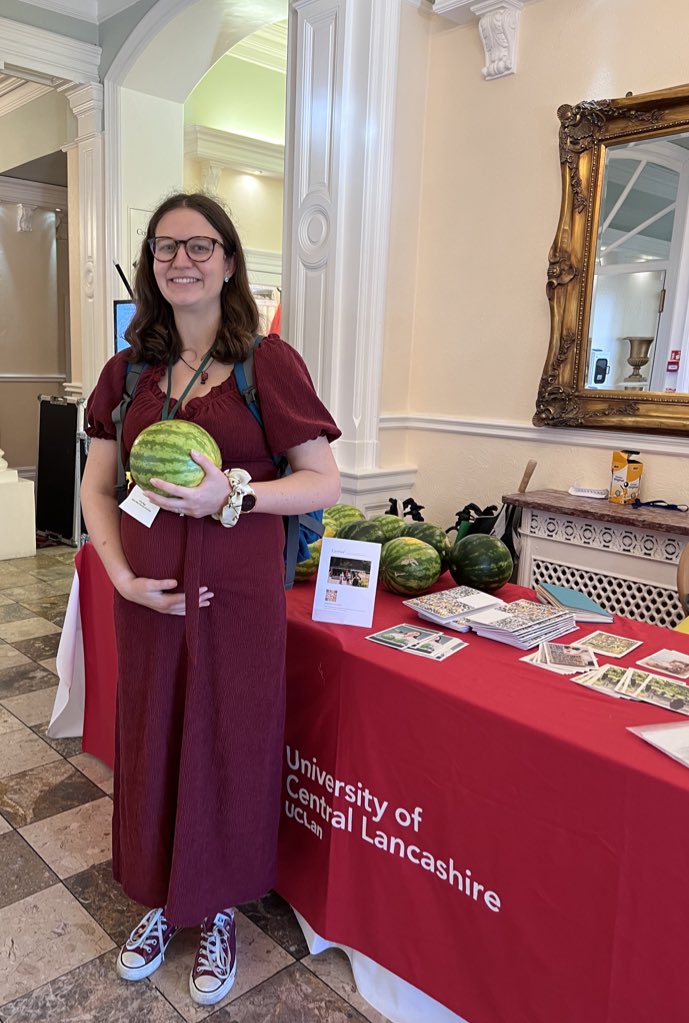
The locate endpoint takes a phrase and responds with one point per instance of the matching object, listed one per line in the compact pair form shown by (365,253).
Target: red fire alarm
(673,366)
(675,355)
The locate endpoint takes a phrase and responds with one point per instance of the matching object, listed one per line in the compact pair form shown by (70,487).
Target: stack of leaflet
(453,608)
(582,607)
(523,623)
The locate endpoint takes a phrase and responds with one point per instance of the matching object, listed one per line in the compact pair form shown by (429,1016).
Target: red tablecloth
(529,857)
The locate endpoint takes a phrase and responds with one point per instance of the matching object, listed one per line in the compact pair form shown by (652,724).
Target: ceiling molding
(23,47)
(16,93)
(237,152)
(267,47)
(92,11)
(33,193)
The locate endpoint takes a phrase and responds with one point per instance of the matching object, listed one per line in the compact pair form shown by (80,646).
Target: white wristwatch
(241,498)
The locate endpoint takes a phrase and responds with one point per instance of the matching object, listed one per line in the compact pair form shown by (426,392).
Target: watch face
(248,502)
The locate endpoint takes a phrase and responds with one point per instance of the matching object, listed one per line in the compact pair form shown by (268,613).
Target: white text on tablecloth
(308,786)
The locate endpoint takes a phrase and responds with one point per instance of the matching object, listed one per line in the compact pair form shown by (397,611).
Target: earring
(227,280)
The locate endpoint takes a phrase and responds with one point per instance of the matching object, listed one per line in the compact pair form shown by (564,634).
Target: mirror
(618,276)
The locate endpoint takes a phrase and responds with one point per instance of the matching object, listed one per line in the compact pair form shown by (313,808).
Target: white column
(338,169)
(89,342)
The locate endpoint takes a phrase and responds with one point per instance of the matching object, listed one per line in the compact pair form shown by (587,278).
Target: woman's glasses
(199,249)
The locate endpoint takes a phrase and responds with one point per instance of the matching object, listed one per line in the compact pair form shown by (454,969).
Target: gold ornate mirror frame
(586,131)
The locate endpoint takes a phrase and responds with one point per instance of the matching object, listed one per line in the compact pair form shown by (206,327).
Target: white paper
(672,739)
(139,507)
(346,582)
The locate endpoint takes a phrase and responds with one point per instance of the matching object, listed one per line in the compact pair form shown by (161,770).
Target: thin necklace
(204,375)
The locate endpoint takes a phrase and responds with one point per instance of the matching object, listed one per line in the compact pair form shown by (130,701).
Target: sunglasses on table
(199,248)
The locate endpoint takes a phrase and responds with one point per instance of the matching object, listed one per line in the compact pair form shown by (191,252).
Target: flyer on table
(346,582)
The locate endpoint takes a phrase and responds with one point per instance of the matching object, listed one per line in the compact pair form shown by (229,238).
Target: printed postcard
(608,644)
(670,662)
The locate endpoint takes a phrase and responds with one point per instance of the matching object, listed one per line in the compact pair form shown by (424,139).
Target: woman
(200,608)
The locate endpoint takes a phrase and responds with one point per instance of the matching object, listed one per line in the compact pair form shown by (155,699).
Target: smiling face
(184,283)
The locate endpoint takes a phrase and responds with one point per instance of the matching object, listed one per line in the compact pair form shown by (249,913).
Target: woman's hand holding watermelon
(205,499)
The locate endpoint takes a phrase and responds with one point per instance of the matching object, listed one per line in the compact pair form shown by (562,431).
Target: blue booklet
(583,608)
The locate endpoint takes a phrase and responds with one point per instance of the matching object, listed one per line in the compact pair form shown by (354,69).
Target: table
(483,829)
(562,537)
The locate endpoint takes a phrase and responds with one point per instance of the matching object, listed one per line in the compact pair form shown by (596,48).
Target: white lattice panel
(645,601)
(604,536)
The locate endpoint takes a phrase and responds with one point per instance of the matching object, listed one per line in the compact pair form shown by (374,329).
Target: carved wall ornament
(498,27)
(565,395)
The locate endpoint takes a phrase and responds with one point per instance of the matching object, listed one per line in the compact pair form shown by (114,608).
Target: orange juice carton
(625,485)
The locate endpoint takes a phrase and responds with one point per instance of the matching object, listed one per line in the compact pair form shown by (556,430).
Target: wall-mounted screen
(123,312)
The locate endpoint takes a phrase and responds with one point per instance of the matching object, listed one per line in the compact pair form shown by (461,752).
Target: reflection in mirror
(618,268)
(639,298)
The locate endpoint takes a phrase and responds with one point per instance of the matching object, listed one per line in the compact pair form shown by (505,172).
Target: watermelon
(368,531)
(338,514)
(431,534)
(307,569)
(163,450)
(481,561)
(408,565)
(391,525)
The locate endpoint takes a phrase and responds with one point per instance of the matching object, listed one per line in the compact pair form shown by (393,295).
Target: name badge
(139,507)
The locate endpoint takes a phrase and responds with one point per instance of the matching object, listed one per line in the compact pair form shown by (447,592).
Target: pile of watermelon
(415,554)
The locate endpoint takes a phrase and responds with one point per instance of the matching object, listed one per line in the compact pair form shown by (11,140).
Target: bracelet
(241,498)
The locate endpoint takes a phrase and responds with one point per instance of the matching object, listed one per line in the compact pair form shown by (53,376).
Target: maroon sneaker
(215,966)
(144,949)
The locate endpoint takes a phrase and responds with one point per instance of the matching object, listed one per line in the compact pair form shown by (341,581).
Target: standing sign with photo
(346,582)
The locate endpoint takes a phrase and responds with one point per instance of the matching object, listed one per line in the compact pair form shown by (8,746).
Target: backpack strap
(131,381)
(244,376)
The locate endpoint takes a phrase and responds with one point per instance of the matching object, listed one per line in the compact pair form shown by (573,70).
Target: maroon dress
(201,697)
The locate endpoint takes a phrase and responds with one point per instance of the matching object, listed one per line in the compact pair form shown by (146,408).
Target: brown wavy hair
(152,333)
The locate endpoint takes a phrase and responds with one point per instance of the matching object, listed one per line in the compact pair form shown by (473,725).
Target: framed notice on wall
(138,222)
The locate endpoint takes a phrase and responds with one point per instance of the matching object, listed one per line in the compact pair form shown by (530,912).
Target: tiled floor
(62,917)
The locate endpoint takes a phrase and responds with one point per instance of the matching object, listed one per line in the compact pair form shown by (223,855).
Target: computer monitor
(122,315)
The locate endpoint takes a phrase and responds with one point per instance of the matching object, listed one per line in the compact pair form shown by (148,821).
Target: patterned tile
(4,601)
(95,769)
(43,792)
(32,708)
(104,900)
(23,677)
(260,958)
(9,657)
(91,994)
(12,612)
(42,937)
(48,606)
(69,747)
(50,664)
(56,571)
(276,917)
(36,591)
(73,840)
(4,826)
(12,632)
(41,647)
(23,872)
(334,969)
(21,749)
(8,722)
(292,996)
(10,575)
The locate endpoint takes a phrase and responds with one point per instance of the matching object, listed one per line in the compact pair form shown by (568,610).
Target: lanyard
(170,413)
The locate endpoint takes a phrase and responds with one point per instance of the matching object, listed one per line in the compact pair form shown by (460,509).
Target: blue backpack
(300,530)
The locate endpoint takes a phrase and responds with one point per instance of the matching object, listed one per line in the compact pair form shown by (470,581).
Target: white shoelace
(214,949)
(148,929)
